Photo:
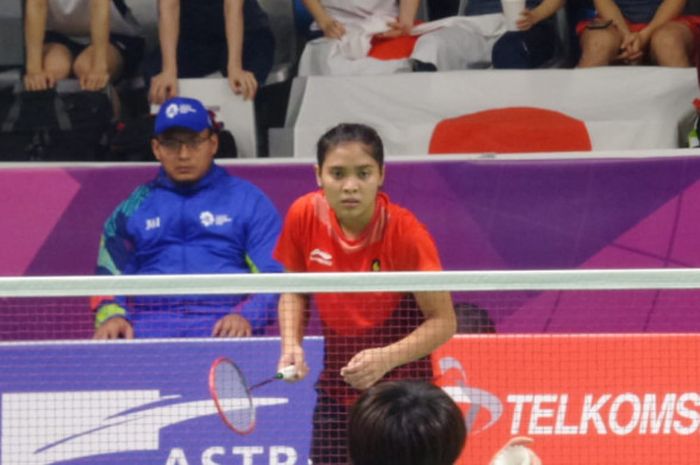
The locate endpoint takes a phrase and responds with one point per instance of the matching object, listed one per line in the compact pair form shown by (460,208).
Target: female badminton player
(350,225)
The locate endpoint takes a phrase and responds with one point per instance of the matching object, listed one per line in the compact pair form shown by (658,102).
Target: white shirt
(351,11)
(72,18)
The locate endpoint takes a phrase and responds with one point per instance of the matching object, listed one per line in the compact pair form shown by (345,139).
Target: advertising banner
(584,399)
(147,402)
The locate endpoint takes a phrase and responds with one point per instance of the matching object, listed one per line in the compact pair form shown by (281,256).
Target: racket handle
(287,372)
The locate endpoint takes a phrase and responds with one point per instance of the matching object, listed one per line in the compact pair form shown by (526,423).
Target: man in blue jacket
(192,218)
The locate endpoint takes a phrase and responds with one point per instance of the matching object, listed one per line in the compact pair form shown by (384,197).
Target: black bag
(132,140)
(55,126)
(227,145)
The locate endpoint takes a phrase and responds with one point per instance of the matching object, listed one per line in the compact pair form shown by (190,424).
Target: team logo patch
(174,109)
(152,223)
(171,111)
(376,265)
(208,219)
(322,257)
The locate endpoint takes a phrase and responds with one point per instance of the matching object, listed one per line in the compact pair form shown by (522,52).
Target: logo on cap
(182,109)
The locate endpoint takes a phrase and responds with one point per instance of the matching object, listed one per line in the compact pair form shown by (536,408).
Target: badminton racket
(232,394)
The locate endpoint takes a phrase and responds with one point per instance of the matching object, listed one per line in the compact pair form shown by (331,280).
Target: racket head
(231,395)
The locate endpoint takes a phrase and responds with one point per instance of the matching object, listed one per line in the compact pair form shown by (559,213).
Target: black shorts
(130,48)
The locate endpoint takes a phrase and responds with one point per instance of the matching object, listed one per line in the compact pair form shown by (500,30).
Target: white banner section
(622,108)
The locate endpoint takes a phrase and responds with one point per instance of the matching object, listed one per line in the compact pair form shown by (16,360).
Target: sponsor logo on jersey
(322,257)
(208,219)
(152,223)
(174,109)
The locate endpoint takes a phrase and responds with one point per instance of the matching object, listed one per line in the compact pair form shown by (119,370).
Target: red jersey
(313,241)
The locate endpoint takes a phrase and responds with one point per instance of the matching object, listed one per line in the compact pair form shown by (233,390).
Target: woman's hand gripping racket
(232,395)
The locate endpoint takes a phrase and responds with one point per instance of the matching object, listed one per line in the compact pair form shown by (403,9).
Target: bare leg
(115,65)
(672,45)
(599,47)
(83,63)
(57,60)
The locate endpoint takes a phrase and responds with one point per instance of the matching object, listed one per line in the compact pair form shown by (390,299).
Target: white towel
(458,42)
(357,40)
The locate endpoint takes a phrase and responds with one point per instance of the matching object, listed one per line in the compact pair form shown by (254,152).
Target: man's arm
(370,365)
(114,255)
(34,30)
(261,236)
(242,82)
(111,315)
(164,85)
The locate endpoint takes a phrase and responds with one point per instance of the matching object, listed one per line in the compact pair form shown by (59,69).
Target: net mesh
(596,367)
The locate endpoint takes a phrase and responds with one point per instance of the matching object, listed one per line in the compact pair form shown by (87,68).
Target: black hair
(351,132)
(405,423)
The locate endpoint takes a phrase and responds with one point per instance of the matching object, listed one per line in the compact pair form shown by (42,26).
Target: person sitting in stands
(633,33)
(192,218)
(97,41)
(362,37)
(535,41)
(196,39)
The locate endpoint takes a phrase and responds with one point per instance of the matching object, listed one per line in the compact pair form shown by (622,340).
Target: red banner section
(584,399)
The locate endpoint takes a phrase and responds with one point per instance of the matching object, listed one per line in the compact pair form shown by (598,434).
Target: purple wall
(483,214)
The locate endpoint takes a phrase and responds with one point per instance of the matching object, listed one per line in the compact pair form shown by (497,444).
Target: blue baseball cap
(182,112)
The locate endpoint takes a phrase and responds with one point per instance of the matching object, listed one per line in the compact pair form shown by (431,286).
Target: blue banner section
(147,402)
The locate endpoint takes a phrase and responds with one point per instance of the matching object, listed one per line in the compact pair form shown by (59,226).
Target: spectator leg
(672,45)
(57,60)
(599,47)
(115,66)
(83,62)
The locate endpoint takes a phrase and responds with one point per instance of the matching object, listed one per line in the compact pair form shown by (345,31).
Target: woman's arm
(292,322)
(330,27)
(541,12)
(370,365)
(404,23)
(242,82)
(34,31)
(97,75)
(668,10)
(164,85)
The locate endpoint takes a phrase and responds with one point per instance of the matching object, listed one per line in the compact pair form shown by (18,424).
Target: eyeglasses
(175,145)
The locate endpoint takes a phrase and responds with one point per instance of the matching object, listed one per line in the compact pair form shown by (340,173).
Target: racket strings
(234,398)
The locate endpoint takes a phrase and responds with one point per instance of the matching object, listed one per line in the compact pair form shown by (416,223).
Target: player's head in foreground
(350,170)
(405,423)
(184,139)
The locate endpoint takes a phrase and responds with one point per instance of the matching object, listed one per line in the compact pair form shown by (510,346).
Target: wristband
(108,311)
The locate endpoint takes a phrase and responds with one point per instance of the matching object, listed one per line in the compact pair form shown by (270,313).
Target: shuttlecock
(513,455)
